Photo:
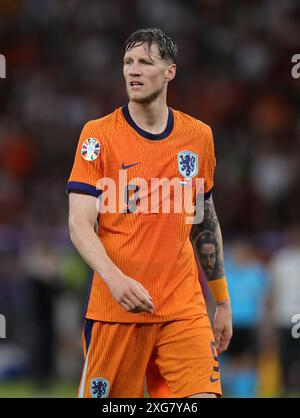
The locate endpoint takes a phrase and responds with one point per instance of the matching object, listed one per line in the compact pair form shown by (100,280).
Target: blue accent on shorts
(88,327)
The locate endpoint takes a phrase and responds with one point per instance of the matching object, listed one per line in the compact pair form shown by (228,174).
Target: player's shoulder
(106,122)
(188,121)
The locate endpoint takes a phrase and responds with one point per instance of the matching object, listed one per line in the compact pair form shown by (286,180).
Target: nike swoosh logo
(124,167)
(214,380)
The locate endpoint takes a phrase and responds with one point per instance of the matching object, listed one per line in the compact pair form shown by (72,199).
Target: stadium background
(64,67)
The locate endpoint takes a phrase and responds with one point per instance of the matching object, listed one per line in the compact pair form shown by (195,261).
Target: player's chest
(155,160)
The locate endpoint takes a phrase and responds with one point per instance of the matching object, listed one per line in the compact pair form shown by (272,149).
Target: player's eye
(146,62)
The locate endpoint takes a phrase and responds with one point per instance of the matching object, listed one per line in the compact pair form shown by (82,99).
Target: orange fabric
(176,357)
(154,249)
(219,289)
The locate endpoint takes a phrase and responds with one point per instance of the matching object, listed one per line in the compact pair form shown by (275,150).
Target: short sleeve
(88,162)
(209,164)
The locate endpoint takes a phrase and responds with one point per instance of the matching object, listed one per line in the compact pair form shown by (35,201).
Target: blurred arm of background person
(270,374)
(285,303)
(83,215)
(251,360)
(207,240)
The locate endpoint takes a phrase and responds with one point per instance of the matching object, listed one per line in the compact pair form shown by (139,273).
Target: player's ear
(170,72)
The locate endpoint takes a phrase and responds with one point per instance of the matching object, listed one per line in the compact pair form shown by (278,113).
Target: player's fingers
(217,335)
(223,346)
(143,290)
(226,337)
(143,298)
(134,299)
(145,302)
(128,302)
(131,306)
(125,306)
(139,310)
(140,306)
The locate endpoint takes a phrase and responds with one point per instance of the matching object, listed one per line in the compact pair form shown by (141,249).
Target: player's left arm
(207,241)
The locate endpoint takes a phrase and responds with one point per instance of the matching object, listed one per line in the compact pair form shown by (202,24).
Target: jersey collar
(146,134)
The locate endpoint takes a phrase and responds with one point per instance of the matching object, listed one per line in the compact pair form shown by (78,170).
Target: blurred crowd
(64,67)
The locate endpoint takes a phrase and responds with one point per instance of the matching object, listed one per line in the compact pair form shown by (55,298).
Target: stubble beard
(146,99)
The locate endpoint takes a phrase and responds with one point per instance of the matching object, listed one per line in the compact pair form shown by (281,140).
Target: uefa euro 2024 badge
(90,149)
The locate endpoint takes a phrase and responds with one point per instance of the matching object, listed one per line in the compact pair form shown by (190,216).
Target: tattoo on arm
(207,241)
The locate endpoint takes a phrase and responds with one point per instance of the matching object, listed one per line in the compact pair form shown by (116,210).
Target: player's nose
(135,70)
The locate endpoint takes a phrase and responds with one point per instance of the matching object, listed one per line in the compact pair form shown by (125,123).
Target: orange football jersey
(152,247)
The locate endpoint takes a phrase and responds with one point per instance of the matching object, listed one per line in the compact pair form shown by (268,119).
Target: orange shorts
(177,359)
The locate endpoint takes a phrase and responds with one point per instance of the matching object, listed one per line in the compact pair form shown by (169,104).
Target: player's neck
(152,118)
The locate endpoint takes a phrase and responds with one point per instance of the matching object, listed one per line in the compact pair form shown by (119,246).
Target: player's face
(146,73)
(208,258)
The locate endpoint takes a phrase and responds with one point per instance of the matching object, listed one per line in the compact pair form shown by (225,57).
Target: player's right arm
(83,214)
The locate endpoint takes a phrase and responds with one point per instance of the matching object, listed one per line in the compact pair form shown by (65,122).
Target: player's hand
(222,326)
(130,294)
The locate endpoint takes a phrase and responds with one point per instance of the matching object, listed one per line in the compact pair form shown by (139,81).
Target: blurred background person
(41,270)
(248,285)
(285,303)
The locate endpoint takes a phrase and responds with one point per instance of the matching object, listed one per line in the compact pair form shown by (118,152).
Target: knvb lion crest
(99,388)
(187,164)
